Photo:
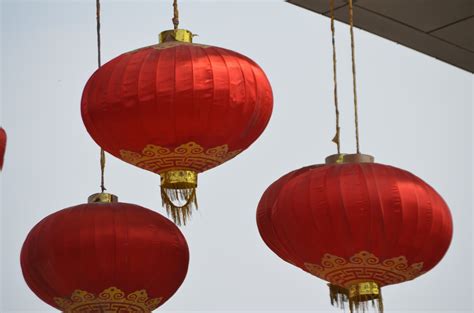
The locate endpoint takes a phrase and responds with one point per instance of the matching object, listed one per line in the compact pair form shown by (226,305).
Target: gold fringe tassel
(357,303)
(338,295)
(179,214)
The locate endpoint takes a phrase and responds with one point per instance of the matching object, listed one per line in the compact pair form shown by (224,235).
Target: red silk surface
(343,210)
(93,247)
(264,215)
(173,94)
(3,146)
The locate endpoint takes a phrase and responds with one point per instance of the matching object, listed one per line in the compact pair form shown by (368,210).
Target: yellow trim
(102,197)
(182,35)
(369,288)
(111,300)
(188,156)
(179,179)
(362,267)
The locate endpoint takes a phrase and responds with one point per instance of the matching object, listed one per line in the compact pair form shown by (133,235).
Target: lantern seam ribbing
(254,115)
(229,81)
(207,127)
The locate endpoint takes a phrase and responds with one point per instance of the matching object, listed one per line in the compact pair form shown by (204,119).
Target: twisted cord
(337,137)
(354,82)
(175,15)
(99,64)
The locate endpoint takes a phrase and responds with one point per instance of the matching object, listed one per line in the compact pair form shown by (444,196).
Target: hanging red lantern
(105,257)
(177,109)
(3,146)
(356,224)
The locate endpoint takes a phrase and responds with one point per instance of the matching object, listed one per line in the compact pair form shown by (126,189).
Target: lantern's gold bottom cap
(178,194)
(179,179)
(357,296)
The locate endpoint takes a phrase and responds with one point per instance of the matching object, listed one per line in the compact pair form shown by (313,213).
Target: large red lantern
(105,257)
(3,146)
(358,225)
(177,109)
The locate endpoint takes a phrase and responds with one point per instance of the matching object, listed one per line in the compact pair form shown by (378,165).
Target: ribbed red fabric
(264,215)
(175,93)
(3,146)
(345,209)
(93,247)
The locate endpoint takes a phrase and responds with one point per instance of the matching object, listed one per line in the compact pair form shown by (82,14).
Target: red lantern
(105,257)
(177,109)
(3,146)
(360,226)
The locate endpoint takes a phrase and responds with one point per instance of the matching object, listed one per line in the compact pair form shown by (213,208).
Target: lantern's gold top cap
(182,35)
(349,158)
(102,197)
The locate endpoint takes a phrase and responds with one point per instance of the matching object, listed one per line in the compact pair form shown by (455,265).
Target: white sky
(416,113)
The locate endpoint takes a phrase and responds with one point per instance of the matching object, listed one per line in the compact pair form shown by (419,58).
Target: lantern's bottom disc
(359,297)
(179,186)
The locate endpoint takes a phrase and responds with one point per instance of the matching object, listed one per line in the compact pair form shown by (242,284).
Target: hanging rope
(99,64)
(354,83)
(102,170)
(176,15)
(337,137)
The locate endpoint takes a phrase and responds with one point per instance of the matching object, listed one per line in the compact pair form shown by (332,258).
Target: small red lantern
(357,224)
(3,146)
(105,257)
(177,109)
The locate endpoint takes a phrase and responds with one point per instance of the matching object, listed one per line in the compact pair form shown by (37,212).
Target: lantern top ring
(102,197)
(349,158)
(182,35)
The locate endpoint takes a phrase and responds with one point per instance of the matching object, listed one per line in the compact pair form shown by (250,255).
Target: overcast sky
(415,113)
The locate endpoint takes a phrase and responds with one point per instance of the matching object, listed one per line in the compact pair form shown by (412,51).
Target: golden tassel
(179,214)
(179,186)
(338,295)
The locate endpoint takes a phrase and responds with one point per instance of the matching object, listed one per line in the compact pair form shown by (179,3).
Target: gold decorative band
(191,155)
(179,179)
(349,158)
(111,300)
(364,266)
(102,197)
(368,289)
(182,35)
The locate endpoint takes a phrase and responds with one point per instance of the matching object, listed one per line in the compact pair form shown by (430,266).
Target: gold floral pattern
(364,266)
(111,300)
(189,156)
